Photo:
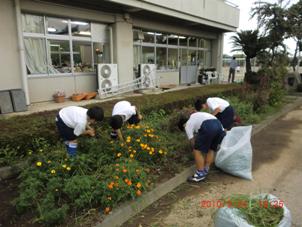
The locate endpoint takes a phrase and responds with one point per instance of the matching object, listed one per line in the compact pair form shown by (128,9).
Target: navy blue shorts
(209,136)
(65,132)
(226,117)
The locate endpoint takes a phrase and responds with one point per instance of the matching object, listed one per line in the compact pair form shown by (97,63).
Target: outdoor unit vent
(148,75)
(107,77)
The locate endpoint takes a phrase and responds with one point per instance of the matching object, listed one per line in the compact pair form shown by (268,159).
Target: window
(183,56)
(208,59)
(148,37)
(148,55)
(79,28)
(192,42)
(200,58)
(173,40)
(183,41)
(82,56)
(57,26)
(32,24)
(59,56)
(36,58)
(161,58)
(101,53)
(161,38)
(172,58)
(172,50)
(192,57)
(63,46)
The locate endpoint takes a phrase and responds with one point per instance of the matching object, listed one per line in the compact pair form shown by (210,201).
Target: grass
(256,210)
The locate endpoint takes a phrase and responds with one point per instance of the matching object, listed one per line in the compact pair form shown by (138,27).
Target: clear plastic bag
(235,153)
(231,217)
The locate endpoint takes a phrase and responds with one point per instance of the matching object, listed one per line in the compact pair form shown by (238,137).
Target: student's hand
(91,132)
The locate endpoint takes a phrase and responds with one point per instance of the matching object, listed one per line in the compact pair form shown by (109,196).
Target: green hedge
(21,133)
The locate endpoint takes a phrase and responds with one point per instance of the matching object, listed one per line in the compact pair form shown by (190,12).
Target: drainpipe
(111,44)
(21,51)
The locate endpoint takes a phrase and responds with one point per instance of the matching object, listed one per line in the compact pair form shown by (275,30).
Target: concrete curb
(130,209)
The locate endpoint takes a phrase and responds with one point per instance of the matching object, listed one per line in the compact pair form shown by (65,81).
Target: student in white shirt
(205,133)
(123,112)
(73,121)
(219,108)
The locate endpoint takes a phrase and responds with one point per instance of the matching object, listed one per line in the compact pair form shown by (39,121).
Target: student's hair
(134,119)
(234,58)
(96,113)
(181,122)
(116,121)
(198,104)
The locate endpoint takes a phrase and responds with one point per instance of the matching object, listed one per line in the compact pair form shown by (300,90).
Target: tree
(294,19)
(251,43)
(272,19)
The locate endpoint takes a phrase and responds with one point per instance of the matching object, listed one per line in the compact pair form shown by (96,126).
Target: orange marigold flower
(124,171)
(116,177)
(134,151)
(129,183)
(138,185)
(117,164)
(138,140)
(138,193)
(107,210)
(119,154)
(126,180)
(131,156)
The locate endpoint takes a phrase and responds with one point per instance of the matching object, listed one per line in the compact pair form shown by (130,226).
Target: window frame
(69,37)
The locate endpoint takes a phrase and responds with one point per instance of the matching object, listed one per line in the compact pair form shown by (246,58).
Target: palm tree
(251,43)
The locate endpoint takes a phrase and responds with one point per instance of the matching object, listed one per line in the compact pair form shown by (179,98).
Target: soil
(277,170)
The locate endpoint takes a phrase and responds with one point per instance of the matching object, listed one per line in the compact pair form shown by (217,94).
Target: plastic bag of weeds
(235,153)
(232,217)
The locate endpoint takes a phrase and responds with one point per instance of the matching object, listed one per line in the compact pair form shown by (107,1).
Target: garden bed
(105,173)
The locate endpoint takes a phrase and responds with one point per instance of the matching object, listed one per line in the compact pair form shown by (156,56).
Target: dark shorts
(209,136)
(65,132)
(226,117)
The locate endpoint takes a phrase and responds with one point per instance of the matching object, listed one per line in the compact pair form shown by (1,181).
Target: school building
(55,45)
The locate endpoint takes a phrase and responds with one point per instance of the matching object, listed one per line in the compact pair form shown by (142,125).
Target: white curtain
(36,60)
(32,24)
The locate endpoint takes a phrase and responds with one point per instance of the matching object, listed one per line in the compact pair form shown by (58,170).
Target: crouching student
(123,112)
(205,133)
(220,108)
(74,121)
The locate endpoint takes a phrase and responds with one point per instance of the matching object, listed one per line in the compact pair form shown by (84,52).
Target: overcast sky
(245,23)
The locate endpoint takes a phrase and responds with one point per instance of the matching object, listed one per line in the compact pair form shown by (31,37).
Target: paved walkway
(51,105)
(277,169)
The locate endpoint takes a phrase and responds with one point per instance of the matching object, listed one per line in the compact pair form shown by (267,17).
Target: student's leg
(72,147)
(199,160)
(230,74)
(233,75)
(209,159)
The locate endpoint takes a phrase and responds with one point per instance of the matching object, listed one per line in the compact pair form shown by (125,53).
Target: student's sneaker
(197,177)
(206,170)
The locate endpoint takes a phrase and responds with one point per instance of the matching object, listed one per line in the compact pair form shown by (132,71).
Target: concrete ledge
(129,209)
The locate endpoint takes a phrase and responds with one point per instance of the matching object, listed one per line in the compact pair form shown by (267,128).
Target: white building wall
(10,74)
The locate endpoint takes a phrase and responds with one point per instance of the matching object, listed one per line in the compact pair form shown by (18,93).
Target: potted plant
(59,96)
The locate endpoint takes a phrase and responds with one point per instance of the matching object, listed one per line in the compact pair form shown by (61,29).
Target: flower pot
(90,95)
(78,97)
(59,99)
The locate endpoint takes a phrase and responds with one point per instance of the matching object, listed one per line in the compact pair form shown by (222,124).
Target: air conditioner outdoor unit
(148,75)
(107,77)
